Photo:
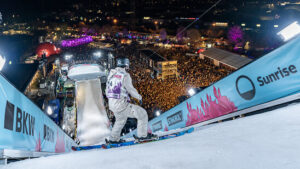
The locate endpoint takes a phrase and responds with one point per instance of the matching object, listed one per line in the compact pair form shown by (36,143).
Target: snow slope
(92,121)
(265,141)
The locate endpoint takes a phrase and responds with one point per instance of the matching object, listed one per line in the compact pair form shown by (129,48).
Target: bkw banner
(23,126)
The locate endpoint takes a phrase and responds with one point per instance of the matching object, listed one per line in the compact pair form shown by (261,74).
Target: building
(151,60)
(224,58)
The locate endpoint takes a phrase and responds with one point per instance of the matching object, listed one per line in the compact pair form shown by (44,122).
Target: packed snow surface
(92,121)
(266,141)
(86,72)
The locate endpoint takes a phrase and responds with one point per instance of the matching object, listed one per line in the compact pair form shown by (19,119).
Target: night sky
(34,6)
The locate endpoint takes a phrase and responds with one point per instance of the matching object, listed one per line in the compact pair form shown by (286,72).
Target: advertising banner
(271,77)
(23,126)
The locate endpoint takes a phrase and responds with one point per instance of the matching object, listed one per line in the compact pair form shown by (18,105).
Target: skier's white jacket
(118,86)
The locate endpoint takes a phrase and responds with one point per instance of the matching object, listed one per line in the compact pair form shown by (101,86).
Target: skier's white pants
(132,111)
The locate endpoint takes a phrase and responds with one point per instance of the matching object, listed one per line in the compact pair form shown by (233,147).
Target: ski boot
(77,141)
(107,141)
(148,138)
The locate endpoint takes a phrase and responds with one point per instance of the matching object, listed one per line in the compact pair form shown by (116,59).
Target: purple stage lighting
(235,34)
(76,42)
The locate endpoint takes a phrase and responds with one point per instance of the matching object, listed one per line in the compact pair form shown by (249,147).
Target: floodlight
(63,126)
(157,113)
(49,111)
(98,54)
(290,31)
(68,56)
(192,92)
(2,62)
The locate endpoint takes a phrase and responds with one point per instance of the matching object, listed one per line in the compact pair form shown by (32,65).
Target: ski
(128,143)
(134,142)
(79,148)
(102,146)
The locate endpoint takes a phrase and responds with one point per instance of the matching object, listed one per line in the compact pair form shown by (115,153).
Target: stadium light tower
(290,31)
(2,62)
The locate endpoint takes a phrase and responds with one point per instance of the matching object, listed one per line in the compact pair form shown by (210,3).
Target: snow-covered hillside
(265,141)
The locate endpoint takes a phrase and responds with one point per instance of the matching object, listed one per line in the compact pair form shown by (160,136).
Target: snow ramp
(92,121)
(268,140)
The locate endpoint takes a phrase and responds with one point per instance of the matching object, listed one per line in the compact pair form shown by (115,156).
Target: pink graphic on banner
(210,108)
(38,146)
(60,144)
(166,128)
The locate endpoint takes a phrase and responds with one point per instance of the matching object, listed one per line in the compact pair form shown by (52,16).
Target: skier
(118,87)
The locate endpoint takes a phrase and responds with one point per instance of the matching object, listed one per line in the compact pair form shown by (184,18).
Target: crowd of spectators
(159,94)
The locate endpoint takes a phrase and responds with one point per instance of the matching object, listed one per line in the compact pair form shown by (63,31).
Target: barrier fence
(273,76)
(25,127)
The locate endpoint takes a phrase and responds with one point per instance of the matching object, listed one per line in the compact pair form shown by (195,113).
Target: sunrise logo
(245,87)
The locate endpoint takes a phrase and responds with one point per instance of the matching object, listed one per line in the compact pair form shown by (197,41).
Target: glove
(141,102)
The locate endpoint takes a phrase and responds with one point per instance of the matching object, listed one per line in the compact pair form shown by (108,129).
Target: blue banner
(23,126)
(271,77)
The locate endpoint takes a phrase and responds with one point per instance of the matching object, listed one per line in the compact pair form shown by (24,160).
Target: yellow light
(258,25)
(115,21)
(221,24)
(155,22)
(243,24)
